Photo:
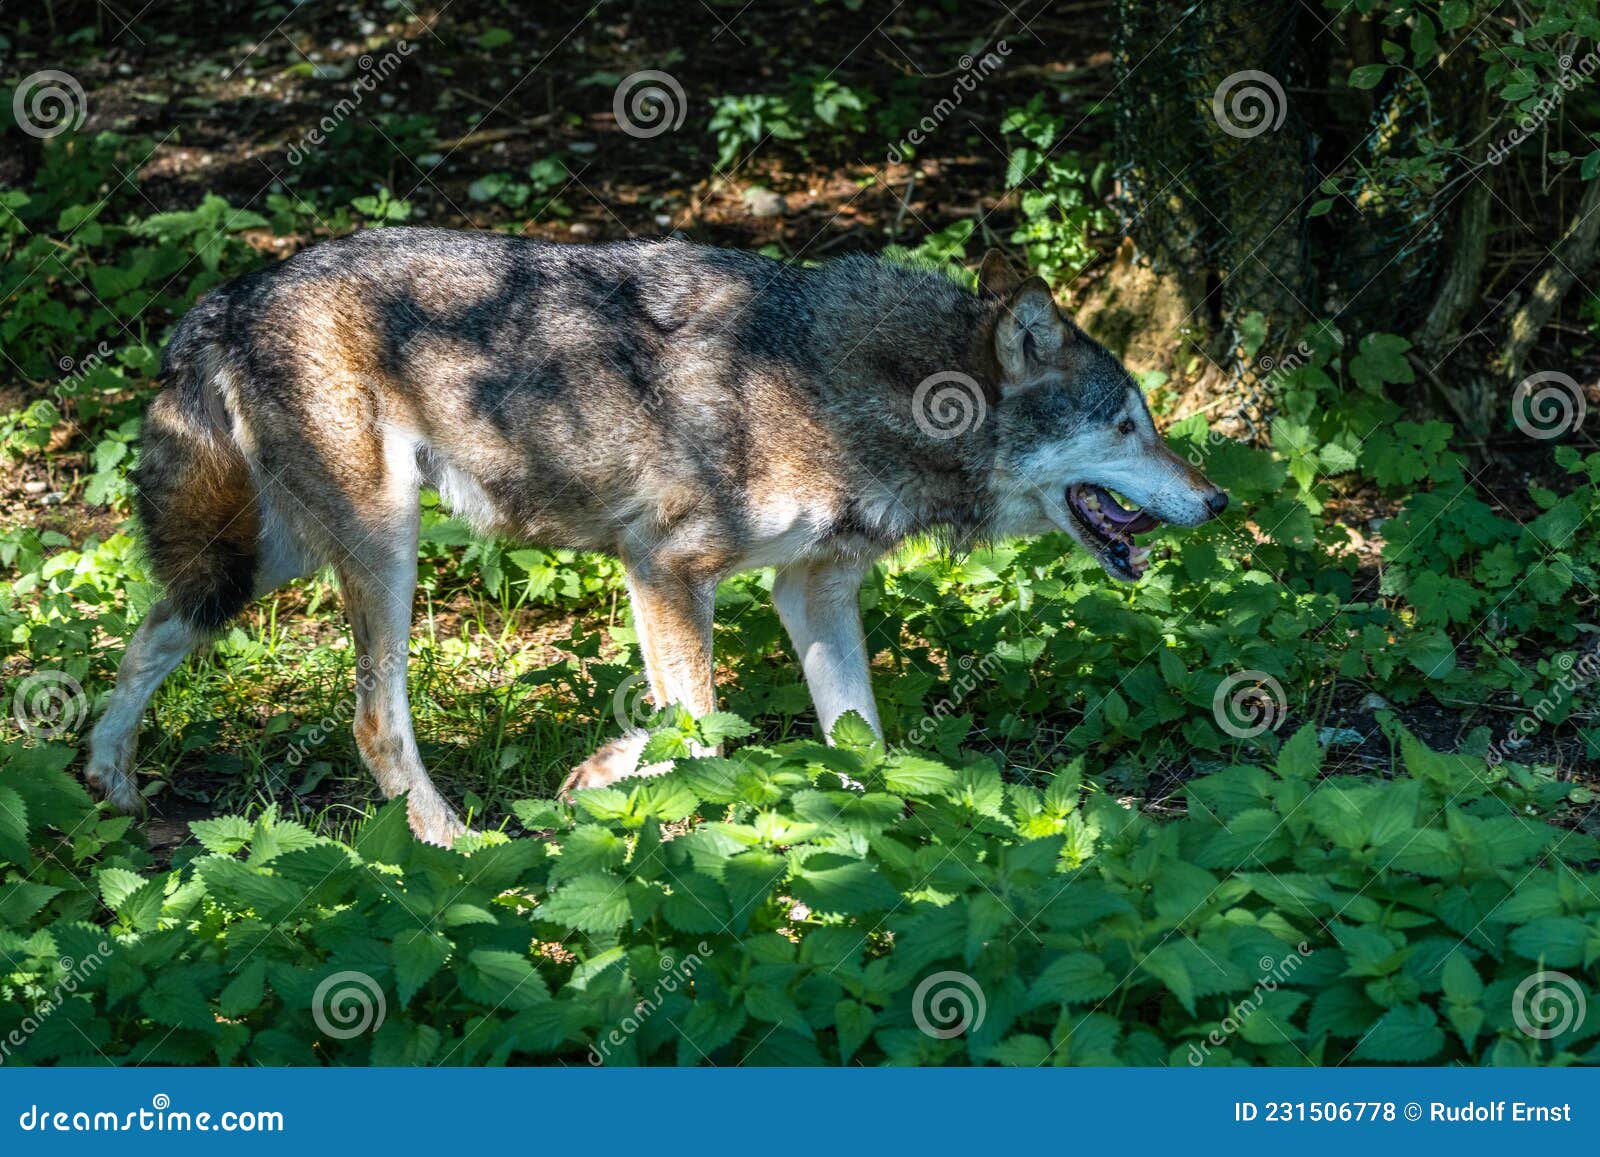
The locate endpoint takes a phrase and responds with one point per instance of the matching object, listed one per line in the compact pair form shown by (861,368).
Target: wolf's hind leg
(672,616)
(820,606)
(161,642)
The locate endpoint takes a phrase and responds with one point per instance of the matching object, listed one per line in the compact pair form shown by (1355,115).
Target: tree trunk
(1569,261)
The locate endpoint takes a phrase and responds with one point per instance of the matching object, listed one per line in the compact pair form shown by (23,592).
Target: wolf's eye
(1125,427)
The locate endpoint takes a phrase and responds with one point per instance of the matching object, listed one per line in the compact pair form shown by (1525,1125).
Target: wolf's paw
(432,820)
(113,785)
(614,761)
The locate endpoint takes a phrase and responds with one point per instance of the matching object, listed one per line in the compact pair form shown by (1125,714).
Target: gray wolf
(693,411)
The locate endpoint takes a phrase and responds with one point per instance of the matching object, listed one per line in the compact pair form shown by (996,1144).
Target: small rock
(1340,737)
(1372,701)
(663,219)
(34,487)
(581,229)
(583,147)
(55,498)
(763,202)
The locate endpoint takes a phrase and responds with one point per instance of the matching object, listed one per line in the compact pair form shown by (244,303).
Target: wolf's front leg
(378,602)
(672,618)
(820,605)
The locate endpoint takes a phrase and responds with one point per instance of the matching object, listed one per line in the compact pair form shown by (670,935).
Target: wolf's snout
(1217,502)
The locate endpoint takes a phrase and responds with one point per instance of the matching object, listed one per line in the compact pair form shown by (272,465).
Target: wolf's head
(1073,432)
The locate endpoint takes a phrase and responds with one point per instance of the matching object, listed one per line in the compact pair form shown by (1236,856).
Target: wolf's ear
(1030,331)
(996,277)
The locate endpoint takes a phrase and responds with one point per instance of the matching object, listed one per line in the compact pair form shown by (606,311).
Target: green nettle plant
(804,904)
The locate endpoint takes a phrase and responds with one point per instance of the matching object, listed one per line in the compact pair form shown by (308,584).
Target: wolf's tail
(194,495)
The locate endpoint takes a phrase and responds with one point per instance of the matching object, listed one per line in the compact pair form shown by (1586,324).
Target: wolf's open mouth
(1108,522)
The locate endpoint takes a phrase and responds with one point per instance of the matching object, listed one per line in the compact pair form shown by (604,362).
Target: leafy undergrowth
(801,904)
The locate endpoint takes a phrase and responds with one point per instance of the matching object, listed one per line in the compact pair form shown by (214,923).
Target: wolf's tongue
(1129,521)
(1096,505)
(1140,522)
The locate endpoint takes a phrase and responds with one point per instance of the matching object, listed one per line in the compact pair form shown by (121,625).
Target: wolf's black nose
(1218,501)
